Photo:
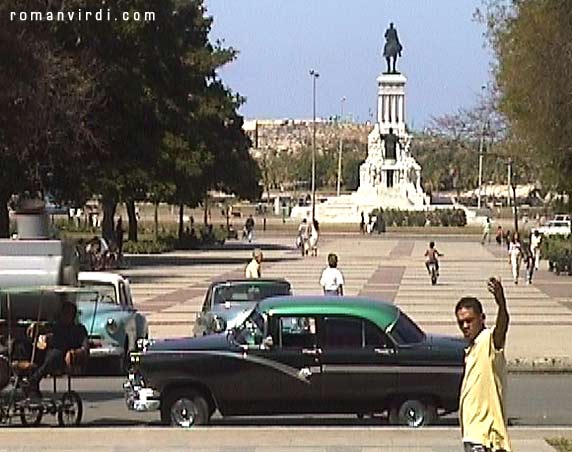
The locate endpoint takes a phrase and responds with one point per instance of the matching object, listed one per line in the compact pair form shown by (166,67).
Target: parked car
(555,227)
(113,324)
(295,355)
(227,300)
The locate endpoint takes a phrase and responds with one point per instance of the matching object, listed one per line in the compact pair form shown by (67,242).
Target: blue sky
(444,57)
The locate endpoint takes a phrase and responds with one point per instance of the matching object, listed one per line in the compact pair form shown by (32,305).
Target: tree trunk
(181,220)
(107,226)
(156,221)
(4,216)
(132,230)
(206,212)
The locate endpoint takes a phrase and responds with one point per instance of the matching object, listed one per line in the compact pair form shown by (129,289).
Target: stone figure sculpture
(392,49)
(390,143)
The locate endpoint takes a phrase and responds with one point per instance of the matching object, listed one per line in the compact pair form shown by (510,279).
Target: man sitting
(67,345)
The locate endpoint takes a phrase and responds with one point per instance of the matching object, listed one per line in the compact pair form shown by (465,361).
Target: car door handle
(311,351)
(384,351)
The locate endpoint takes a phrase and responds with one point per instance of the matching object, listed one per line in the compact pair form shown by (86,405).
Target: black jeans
(53,360)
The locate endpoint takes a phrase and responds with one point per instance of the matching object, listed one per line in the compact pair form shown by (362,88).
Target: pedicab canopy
(40,304)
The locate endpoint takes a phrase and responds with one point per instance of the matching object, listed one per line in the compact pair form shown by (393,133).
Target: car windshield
(249,292)
(106,292)
(405,331)
(251,331)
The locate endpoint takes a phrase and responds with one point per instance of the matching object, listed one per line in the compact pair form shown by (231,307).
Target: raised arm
(501,326)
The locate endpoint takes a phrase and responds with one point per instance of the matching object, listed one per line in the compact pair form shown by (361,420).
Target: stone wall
(293,134)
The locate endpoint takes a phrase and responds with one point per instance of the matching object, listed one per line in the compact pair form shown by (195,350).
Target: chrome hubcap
(184,412)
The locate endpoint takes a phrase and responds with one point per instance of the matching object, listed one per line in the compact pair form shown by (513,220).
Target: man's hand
(499,335)
(495,287)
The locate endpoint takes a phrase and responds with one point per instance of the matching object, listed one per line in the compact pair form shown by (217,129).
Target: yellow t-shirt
(481,408)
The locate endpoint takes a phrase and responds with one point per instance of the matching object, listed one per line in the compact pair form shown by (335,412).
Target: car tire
(412,413)
(184,408)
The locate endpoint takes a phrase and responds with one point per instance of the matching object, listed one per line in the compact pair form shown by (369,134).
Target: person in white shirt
(253,270)
(515,256)
(535,241)
(332,280)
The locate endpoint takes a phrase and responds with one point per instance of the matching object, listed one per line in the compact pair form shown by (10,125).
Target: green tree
(532,40)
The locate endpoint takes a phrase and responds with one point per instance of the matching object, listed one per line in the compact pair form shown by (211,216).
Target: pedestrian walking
(254,268)
(362,224)
(314,236)
(508,239)
(486,231)
(528,257)
(499,235)
(482,412)
(535,242)
(119,238)
(303,236)
(332,280)
(515,256)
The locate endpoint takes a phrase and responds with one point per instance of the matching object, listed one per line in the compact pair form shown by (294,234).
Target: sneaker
(515,281)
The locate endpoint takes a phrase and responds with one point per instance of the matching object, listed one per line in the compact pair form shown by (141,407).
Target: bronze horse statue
(392,49)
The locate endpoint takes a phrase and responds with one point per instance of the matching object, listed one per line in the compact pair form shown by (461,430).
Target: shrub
(162,245)
(443,217)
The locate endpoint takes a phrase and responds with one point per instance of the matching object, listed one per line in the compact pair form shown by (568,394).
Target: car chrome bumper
(138,398)
(106,351)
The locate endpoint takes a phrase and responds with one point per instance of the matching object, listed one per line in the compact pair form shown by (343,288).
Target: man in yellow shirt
(482,411)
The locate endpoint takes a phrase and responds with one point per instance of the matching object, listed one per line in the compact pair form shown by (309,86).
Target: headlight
(219,324)
(111,326)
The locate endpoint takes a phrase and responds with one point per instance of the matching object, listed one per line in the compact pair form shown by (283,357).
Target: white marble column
(394,108)
(385,108)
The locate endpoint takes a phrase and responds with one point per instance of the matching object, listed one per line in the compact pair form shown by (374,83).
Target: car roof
(253,281)
(382,313)
(105,277)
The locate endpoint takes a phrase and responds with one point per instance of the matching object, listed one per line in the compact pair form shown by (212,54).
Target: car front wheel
(184,408)
(412,413)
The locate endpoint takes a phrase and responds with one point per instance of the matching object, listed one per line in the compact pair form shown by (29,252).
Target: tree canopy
(122,109)
(532,40)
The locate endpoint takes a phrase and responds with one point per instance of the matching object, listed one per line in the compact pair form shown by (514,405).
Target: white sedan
(555,227)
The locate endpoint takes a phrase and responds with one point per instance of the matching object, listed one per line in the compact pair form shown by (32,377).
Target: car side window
(342,332)
(122,297)
(297,332)
(374,337)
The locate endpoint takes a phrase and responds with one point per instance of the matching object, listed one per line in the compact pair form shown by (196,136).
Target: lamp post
(314,76)
(481,145)
(512,183)
(342,100)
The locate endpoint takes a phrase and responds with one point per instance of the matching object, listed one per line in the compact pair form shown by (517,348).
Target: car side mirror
(268,342)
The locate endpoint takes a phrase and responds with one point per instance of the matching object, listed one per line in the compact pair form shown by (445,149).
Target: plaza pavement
(170,288)
(260,439)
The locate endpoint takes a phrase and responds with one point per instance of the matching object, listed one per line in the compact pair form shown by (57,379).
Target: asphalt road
(533,400)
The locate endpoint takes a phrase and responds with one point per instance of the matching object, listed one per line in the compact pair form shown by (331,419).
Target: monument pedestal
(389,178)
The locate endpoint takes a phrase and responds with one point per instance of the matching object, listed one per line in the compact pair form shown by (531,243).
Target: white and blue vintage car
(112,322)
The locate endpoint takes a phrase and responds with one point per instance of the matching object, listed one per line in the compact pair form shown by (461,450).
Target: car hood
(87,309)
(449,345)
(211,342)
(234,313)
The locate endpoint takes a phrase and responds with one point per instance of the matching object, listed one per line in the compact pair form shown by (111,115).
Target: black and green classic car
(295,355)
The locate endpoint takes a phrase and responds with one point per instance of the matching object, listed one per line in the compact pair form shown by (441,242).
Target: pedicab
(28,317)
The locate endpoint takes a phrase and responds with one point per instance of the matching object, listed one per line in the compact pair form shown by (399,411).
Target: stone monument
(390,177)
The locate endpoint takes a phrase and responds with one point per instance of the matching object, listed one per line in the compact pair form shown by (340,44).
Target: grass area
(561,444)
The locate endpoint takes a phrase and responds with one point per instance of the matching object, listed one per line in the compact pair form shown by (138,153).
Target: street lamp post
(314,76)
(481,145)
(342,100)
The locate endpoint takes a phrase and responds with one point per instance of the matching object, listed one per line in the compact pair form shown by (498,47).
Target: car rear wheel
(184,408)
(412,413)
